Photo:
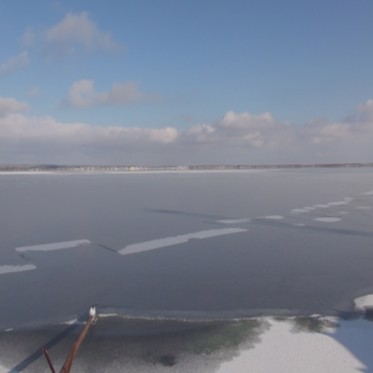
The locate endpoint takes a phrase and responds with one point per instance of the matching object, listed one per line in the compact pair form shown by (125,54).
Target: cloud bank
(236,138)
(82,94)
(76,32)
(14,64)
(10,105)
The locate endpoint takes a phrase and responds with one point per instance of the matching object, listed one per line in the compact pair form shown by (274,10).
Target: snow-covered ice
(11,269)
(338,203)
(298,211)
(273,217)
(282,350)
(176,240)
(234,221)
(327,219)
(364,302)
(53,246)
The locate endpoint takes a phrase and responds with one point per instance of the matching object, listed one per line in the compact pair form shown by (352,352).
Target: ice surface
(53,246)
(327,219)
(274,217)
(234,221)
(338,203)
(364,302)
(176,240)
(298,211)
(11,269)
(283,350)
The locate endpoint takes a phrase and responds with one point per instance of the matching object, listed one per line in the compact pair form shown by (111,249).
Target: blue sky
(155,81)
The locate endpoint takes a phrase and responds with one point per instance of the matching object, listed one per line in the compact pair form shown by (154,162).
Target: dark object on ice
(369,313)
(167,360)
(66,368)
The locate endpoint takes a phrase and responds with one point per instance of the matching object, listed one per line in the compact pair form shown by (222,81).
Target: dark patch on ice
(167,360)
(206,344)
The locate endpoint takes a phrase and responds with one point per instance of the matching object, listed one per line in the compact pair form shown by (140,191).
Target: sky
(177,82)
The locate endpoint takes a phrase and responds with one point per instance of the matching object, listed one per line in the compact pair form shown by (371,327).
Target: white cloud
(365,111)
(82,94)
(75,32)
(355,128)
(14,64)
(21,127)
(33,91)
(240,138)
(28,38)
(10,105)
(241,129)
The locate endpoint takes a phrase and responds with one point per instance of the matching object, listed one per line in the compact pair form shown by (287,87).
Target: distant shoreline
(11,169)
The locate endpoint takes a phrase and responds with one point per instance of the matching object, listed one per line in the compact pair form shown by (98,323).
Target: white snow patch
(70,322)
(274,217)
(327,219)
(234,221)
(321,206)
(283,350)
(364,302)
(309,208)
(12,269)
(369,193)
(299,211)
(103,315)
(363,207)
(299,224)
(176,240)
(53,246)
(338,203)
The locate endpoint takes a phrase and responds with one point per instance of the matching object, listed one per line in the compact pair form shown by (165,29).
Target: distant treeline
(89,168)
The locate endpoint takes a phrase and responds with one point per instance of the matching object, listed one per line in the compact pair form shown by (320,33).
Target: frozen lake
(189,245)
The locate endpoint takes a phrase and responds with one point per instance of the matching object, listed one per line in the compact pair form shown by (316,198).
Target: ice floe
(338,203)
(298,211)
(327,219)
(234,221)
(364,302)
(274,217)
(176,240)
(11,269)
(53,246)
